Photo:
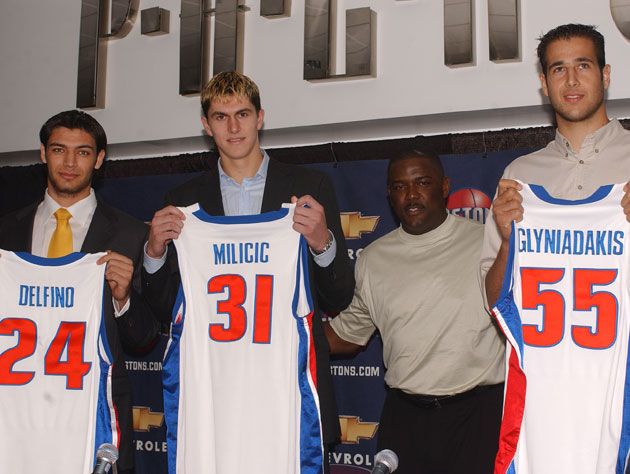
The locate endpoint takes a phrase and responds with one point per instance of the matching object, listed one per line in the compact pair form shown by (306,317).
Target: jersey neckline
(50,262)
(541,193)
(201,214)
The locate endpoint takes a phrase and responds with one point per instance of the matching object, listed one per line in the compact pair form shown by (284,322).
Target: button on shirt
(576,174)
(244,198)
(604,158)
(580,174)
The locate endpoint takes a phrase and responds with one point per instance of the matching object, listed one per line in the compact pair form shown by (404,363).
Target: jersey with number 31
(565,309)
(239,370)
(55,364)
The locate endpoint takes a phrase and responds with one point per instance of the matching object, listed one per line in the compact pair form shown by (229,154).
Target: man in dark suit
(73,147)
(246,181)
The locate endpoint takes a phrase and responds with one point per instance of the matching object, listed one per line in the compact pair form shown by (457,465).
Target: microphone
(385,462)
(106,456)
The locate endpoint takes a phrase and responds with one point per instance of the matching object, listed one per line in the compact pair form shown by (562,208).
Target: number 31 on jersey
(233,308)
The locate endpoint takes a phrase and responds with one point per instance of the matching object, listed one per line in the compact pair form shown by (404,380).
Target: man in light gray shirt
(419,286)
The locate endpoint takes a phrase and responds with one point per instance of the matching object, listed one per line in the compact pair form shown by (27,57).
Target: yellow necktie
(61,240)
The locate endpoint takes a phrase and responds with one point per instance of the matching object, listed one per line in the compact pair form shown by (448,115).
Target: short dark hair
(75,119)
(566,32)
(434,159)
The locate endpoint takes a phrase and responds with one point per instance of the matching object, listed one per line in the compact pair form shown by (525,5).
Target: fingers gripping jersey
(55,370)
(564,308)
(239,370)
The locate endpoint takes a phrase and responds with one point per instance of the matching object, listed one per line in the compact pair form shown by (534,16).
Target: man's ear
(446,186)
(206,126)
(99,159)
(543,84)
(606,76)
(260,120)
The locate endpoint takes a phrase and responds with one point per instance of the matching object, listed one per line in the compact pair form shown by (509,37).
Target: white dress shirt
(45,224)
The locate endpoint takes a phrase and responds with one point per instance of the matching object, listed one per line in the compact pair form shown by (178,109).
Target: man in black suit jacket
(73,146)
(233,116)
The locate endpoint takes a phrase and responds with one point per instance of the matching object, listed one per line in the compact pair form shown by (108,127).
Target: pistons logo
(470,203)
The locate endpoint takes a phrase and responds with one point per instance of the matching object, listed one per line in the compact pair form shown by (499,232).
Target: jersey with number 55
(565,309)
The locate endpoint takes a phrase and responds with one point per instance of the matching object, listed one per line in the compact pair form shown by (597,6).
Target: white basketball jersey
(565,310)
(55,379)
(239,370)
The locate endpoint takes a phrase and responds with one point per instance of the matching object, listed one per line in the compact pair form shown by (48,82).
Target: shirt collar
(81,211)
(261,174)
(596,140)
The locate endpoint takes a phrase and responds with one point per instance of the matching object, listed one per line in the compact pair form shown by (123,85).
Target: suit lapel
(20,237)
(211,200)
(100,231)
(278,186)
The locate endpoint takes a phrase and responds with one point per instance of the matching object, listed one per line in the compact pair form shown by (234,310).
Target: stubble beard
(68,190)
(578,115)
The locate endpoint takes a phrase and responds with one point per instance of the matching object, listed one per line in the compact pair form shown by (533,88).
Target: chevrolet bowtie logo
(144,419)
(354,224)
(353,429)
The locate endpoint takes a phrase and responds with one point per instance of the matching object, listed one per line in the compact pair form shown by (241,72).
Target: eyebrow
(413,178)
(63,145)
(246,109)
(576,60)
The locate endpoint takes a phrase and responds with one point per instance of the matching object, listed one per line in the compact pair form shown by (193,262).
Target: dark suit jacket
(332,286)
(113,230)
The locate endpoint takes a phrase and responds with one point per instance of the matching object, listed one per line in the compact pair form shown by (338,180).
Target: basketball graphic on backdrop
(469,202)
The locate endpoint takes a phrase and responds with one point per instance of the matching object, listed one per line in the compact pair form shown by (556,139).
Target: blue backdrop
(366,216)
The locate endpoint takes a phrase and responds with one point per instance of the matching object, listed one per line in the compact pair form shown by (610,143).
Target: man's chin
(68,191)
(575,115)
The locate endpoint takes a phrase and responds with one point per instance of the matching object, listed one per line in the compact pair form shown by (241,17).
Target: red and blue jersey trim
(311,447)
(171,379)
(624,441)
(508,318)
